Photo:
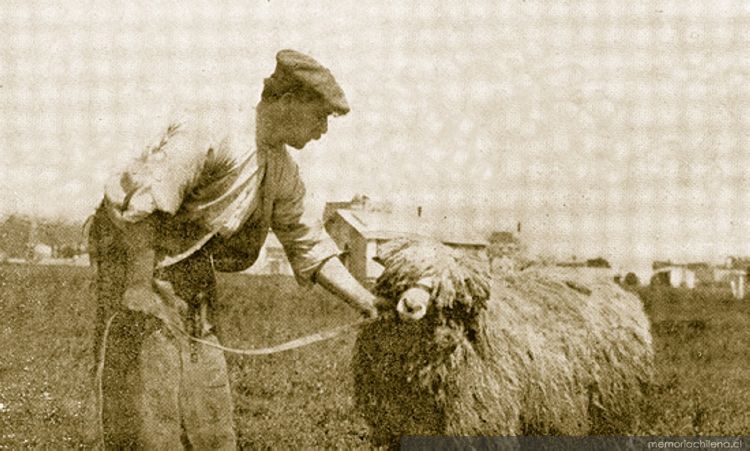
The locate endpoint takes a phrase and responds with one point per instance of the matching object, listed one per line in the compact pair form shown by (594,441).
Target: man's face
(305,121)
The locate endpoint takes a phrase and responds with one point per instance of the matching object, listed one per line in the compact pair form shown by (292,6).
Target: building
(735,262)
(734,275)
(361,230)
(674,275)
(359,202)
(271,258)
(704,273)
(597,262)
(41,251)
(504,250)
(593,269)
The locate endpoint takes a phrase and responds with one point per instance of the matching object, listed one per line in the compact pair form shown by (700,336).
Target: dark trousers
(160,390)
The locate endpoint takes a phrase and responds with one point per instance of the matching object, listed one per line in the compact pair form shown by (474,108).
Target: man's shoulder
(224,130)
(284,171)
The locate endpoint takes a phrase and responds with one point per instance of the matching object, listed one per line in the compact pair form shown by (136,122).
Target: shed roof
(379,225)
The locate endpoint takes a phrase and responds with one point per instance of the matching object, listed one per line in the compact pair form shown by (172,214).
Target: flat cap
(295,70)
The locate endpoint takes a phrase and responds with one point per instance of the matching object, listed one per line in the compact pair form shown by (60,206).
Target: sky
(607,128)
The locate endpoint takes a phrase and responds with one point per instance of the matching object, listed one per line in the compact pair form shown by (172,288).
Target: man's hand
(364,301)
(368,310)
(157,300)
(144,293)
(334,277)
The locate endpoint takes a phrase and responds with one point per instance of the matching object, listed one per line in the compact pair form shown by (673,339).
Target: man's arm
(157,180)
(139,239)
(142,292)
(335,278)
(311,252)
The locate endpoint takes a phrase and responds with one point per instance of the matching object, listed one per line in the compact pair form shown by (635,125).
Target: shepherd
(200,200)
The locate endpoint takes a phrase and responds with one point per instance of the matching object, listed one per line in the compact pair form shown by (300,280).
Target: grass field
(303,398)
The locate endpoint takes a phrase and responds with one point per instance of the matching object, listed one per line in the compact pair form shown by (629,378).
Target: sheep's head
(454,287)
(411,358)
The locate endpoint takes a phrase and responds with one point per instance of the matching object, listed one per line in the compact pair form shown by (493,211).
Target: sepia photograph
(357,224)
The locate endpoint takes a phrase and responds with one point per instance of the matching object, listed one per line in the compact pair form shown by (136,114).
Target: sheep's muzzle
(413,304)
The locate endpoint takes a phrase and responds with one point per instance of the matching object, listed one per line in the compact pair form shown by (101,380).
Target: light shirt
(202,181)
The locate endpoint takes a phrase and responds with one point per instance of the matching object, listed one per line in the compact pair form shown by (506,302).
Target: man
(199,200)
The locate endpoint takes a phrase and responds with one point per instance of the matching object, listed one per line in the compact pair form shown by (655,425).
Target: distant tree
(19,235)
(545,260)
(631,279)
(15,232)
(502,244)
(68,251)
(59,233)
(598,262)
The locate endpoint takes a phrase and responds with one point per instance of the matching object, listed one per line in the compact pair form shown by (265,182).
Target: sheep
(531,352)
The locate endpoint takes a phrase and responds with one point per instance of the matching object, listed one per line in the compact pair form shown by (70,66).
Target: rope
(289,345)
(100,377)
